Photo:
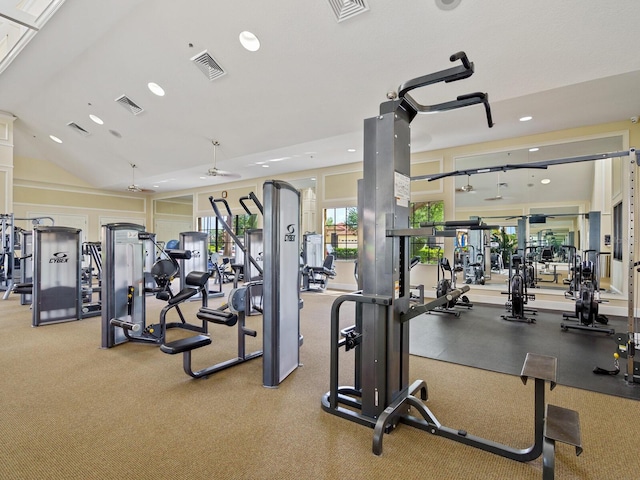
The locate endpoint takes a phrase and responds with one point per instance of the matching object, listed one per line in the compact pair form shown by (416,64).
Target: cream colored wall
(6,162)
(43,187)
(40,187)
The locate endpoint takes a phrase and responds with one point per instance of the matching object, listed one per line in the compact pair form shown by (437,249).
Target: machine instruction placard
(402,189)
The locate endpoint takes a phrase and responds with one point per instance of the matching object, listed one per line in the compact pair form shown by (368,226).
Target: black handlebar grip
(144,236)
(461,56)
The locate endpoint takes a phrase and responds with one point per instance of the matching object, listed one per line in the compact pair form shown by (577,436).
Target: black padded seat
(185,344)
(182,295)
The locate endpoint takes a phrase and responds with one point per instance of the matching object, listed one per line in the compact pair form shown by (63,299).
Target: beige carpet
(70,410)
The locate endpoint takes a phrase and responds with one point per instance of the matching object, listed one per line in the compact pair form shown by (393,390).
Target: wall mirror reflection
(546,216)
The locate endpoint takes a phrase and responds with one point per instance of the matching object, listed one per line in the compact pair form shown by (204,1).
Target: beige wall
(42,188)
(39,186)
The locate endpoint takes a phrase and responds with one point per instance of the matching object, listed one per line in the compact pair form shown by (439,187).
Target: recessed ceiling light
(156,186)
(156,89)
(203,178)
(534,149)
(313,179)
(545,181)
(260,163)
(526,119)
(351,150)
(55,139)
(249,41)
(265,166)
(278,159)
(96,119)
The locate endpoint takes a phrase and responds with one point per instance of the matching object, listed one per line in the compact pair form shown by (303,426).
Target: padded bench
(185,344)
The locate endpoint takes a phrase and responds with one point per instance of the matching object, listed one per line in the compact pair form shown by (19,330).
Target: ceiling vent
(344,9)
(129,104)
(208,65)
(77,128)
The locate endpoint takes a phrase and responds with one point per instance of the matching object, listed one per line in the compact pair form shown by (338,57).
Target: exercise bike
(518,294)
(445,286)
(587,298)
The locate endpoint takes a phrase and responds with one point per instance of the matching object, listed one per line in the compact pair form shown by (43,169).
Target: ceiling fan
(134,187)
(498,195)
(468,188)
(216,172)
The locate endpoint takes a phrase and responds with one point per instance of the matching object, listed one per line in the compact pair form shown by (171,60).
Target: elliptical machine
(587,296)
(518,294)
(446,285)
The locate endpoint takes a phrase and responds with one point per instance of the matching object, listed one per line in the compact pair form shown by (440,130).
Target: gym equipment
(518,293)
(236,303)
(198,244)
(587,297)
(317,278)
(248,262)
(10,243)
(446,286)
(281,278)
(56,275)
(627,346)
(124,299)
(382,397)
(315,271)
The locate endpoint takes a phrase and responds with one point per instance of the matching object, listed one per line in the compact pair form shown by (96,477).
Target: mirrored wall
(537,213)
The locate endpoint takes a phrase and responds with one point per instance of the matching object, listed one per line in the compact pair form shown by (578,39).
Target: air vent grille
(208,65)
(130,105)
(77,128)
(344,9)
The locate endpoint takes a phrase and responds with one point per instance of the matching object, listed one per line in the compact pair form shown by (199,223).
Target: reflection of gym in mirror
(540,214)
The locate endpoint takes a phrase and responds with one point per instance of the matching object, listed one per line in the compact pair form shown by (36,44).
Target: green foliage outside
(507,244)
(345,253)
(421,213)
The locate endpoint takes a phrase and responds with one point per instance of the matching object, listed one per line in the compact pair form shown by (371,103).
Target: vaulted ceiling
(300,100)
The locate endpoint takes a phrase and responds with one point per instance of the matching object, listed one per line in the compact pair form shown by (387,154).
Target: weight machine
(382,397)
(124,288)
(10,243)
(281,285)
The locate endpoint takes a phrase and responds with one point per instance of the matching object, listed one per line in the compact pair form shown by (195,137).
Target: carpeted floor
(70,410)
(480,338)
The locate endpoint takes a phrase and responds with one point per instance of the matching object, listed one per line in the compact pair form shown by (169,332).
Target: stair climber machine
(446,286)
(587,296)
(518,293)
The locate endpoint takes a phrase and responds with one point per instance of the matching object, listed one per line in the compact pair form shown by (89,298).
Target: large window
(427,248)
(219,240)
(617,232)
(341,232)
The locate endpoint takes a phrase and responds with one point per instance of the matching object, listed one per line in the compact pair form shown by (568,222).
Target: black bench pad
(185,344)
(216,316)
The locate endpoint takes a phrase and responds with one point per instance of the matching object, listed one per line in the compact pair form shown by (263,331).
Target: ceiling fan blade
(215,171)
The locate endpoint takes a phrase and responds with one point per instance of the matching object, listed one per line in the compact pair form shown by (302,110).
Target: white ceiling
(305,93)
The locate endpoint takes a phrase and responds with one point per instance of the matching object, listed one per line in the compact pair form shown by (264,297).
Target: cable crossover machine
(381,396)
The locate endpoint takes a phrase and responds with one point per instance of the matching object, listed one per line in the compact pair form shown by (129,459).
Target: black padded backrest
(197,279)
(328,262)
(444,262)
(547,254)
(164,268)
